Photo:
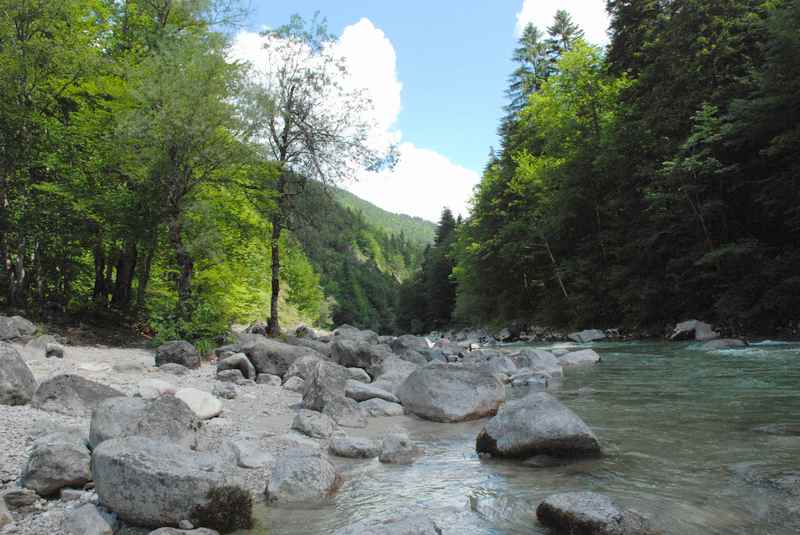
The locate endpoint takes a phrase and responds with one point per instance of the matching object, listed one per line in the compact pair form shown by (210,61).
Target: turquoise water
(678,426)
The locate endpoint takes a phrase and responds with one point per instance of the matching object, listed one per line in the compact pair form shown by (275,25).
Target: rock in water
(448,393)
(203,404)
(354,447)
(537,425)
(178,352)
(346,412)
(694,330)
(302,472)
(166,418)
(313,424)
(88,520)
(415,523)
(54,350)
(398,448)
(56,460)
(586,357)
(537,361)
(724,343)
(72,395)
(153,483)
(591,335)
(17,383)
(590,513)
(326,382)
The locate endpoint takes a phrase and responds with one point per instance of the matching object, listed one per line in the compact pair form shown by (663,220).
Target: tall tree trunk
(273,326)
(126,269)
(185,267)
(144,274)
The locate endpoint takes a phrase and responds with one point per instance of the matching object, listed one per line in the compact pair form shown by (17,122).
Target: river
(681,433)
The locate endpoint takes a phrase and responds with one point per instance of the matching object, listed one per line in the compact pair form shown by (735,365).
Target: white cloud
(424,181)
(590,15)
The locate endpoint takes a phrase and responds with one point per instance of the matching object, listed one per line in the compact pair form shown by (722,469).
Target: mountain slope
(415,229)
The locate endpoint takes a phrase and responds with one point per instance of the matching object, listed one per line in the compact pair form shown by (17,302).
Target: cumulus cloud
(589,14)
(424,181)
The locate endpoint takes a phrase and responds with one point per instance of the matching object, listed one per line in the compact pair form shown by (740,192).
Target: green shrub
(228,509)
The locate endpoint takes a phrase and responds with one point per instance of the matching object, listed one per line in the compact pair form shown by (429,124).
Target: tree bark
(273,326)
(185,267)
(144,275)
(126,269)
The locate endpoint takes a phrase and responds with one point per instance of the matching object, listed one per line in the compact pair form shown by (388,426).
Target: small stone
(5,516)
(225,391)
(20,499)
(203,404)
(54,350)
(185,524)
(154,388)
(398,448)
(354,447)
(230,376)
(71,495)
(313,424)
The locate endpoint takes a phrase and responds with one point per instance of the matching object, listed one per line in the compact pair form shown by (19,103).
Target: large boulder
(238,361)
(537,424)
(56,460)
(450,393)
(346,412)
(271,356)
(303,366)
(392,373)
(15,327)
(17,383)
(591,335)
(178,352)
(362,392)
(586,357)
(693,330)
(203,404)
(352,333)
(409,342)
(72,395)
(590,513)
(89,520)
(413,523)
(538,361)
(379,407)
(323,348)
(302,472)
(313,424)
(153,483)
(167,418)
(326,382)
(353,353)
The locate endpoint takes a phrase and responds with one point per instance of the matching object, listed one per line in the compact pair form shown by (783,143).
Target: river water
(682,431)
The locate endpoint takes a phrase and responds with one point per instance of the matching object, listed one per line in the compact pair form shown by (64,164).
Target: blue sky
(439,70)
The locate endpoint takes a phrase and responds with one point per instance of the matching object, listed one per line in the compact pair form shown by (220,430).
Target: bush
(228,509)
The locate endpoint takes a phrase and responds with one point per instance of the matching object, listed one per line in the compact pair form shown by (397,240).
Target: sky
(436,71)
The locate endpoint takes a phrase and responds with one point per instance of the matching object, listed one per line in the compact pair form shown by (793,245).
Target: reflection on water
(695,440)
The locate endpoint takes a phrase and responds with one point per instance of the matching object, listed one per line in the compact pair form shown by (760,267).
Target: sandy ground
(259,411)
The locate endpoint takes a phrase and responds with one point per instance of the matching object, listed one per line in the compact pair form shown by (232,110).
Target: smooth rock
(224,391)
(17,384)
(250,454)
(350,332)
(153,483)
(154,388)
(363,391)
(173,369)
(724,343)
(303,366)
(379,407)
(326,382)
(72,395)
(295,384)
(271,356)
(203,404)
(414,523)
(591,335)
(55,461)
(166,418)
(346,412)
(534,425)
(355,353)
(587,357)
(71,495)
(178,352)
(302,473)
(451,393)
(354,447)
(238,361)
(590,513)
(89,520)
(694,330)
(392,373)
(313,424)
(15,327)
(54,350)
(398,448)
(538,361)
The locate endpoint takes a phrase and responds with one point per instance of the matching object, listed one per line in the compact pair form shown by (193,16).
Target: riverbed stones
(54,350)
(357,374)
(537,424)
(203,404)
(173,369)
(295,384)
(313,424)
(165,418)
(268,379)
(326,382)
(72,395)
(694,330)
(537,361)
(590,335)
(724,343)
(398,448)
(231,376)
(379,407)
(153,483)
(392,372)
(590,513)
(586,357)
(354,447)
(55,461)
(302,472)
(352,333)
(362,392)
(178,352)
(238,361)
(271,356)
(303,366)
(355,353)
(346,412)
(17,384)
(451,393)
(20,499)
(224,391)
(409,523)
(88,519)
(154,388)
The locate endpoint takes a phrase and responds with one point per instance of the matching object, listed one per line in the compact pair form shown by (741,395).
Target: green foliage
(228,509)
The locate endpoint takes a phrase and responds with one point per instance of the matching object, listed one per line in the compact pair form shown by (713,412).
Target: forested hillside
(649,182)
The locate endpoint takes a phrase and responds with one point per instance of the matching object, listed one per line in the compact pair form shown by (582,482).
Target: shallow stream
(680,429)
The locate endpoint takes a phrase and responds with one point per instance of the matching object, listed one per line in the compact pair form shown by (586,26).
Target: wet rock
(362,392)
(54,350)
(173,369)
(450,393)
(587,357)
(154,388)
(534,425)
(398,448)
(346,412)
(295,384)
(313,424)
(55,461)
(723,343)
(203,404)
(354,447)
(414,523)
(591,335)
(178,352)
(271,356)
(153,483)
(89,520)
(72,395)
(379,407)
(528,378)
(302,472)
(238,361)
(224,391)
(357,374)
(166,418)
(694,330)
(268,379)
(591,514)
(17,384)
(326,382)
(303,366)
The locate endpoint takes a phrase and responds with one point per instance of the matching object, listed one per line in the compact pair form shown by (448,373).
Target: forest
(149,179)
